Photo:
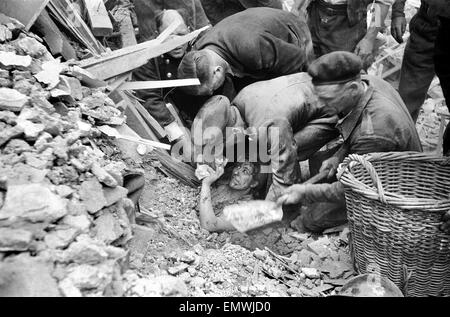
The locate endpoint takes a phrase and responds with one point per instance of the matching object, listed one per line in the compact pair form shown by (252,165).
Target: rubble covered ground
(274,261)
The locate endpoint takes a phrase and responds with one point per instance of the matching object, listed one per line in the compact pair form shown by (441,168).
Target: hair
(195,64)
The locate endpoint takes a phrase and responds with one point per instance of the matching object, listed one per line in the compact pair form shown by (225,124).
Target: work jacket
(165,67)
(217,10)
(261,43)
(287,107)
(379,123)
(440,6)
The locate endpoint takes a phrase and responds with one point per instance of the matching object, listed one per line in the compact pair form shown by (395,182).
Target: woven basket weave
(395,205)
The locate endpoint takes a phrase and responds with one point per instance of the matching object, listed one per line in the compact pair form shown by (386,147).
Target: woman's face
(242,177)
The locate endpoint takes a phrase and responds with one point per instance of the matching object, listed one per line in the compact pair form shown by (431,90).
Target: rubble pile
(63,211)
(273,261)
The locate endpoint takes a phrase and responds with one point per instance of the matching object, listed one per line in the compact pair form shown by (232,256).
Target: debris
(311,273)
(26,276)
(12,59)
(14,240)
(175,270)
(98,17)
(32,202)
(91,194)
(12,100)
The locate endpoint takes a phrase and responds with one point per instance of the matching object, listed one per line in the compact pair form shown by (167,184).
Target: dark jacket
(146,10)
(261,43)
(155,100)
(380,123)
(217,10)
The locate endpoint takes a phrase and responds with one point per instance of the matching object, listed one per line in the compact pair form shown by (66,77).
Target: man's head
(245,176)
(208,67)
(337,81)
(163,20)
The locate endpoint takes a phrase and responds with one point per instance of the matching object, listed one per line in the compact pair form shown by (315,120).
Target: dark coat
(261,43)
(155,100)
(217,10)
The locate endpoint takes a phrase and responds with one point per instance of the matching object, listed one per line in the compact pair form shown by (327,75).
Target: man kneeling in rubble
(373,118)
(280,115)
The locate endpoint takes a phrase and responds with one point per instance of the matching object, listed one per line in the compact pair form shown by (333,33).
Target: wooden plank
(26,11)
(66,13)
(155,84)
(159,131)
(178,119)
(121,62)
(56,41)
(98,17)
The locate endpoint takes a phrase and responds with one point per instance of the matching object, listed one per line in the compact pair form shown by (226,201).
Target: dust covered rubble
(64,228)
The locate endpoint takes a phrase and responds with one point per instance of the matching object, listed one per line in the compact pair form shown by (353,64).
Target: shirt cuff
(174,131)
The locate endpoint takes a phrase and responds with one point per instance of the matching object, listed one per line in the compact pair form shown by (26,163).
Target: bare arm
(208,220)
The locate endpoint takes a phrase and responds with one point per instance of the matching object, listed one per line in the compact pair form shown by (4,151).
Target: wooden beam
(26,11)
(56,41)
(130,58)
(65,13)
(139,85)
(98,17)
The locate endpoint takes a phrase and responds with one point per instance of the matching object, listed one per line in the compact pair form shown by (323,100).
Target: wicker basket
(395,205)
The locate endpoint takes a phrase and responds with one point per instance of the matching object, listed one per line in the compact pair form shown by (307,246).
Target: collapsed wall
(63,211)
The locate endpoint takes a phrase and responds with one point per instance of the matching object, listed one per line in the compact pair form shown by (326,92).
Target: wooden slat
(65,13)
(130,58)
(98,17)
(26,11)
(139,85)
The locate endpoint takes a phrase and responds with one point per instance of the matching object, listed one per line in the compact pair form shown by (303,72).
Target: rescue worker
(372,118)
(442,55)
(147,10)
(217,10)
(442,66)
(283,119)
(417,71)
(253,45)
(165,68)
(341,25)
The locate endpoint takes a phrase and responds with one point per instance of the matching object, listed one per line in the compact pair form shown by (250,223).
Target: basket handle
(355,159)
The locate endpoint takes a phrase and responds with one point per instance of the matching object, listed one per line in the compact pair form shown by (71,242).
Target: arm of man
(208,220)
(398,24)
(319,130)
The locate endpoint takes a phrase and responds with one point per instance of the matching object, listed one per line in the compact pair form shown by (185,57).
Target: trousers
(418,71)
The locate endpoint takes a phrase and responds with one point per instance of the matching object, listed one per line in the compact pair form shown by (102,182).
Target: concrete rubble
(63,227)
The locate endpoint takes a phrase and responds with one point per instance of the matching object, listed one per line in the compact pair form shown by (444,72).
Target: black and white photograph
(231,156)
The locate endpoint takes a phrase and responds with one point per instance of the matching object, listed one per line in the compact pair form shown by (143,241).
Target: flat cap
(335,68)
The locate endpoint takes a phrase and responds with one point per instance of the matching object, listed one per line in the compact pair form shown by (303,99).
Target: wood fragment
(98,17)
(156,84)
(67,15)
(129,58)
